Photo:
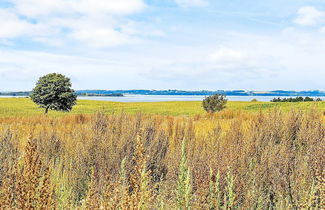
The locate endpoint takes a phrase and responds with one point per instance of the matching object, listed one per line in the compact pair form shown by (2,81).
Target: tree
(308,99)
(53,91)
(214,103)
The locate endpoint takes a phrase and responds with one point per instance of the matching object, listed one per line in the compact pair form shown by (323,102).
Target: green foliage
(229,198)
(184,188)
(214,103)
(219,199)
(214,191)
(297,99)
(53,91)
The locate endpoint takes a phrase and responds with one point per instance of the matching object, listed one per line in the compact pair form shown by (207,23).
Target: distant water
(12,96)
(158,98)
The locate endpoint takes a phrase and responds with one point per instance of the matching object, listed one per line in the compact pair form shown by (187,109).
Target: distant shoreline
(101,95)
(121,93)
(162,98)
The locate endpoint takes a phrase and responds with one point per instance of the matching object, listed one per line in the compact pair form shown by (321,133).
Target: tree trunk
(46,110)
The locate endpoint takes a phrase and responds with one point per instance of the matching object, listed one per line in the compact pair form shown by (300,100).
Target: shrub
(214,103)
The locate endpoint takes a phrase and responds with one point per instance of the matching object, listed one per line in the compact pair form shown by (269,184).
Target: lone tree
(53,91)
(214,103)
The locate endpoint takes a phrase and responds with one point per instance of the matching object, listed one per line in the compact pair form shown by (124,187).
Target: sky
(164,44)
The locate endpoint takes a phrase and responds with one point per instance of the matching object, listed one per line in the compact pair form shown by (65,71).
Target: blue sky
(169,44)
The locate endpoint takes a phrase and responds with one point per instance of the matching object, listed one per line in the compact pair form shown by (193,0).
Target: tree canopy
(53,92)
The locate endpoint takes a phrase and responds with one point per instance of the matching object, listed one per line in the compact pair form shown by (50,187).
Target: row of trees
(297,99)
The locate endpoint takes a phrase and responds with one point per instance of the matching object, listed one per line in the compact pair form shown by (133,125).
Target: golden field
(25,107)
(166,155)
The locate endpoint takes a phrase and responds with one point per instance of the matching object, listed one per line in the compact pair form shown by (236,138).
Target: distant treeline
(314,93)
(20,93)
(297,99)
(282,93)
(27,93)
(93,94)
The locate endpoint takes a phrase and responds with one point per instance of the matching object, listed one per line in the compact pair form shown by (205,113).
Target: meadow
(165,155)
(25,107)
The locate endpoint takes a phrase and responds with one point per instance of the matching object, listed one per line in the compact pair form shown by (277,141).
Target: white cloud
(191,3)
(309,16)
(19,70)
(289,60)
(100,37)
(322,30)
(36,8)
(96,23)
(227,55)
(11,26)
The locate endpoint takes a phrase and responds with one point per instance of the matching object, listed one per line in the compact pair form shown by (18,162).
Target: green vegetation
(297,99)
(25,107)
(53,92)
(214,103)
(184,182)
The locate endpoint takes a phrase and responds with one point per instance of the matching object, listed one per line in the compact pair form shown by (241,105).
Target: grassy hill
(25,107)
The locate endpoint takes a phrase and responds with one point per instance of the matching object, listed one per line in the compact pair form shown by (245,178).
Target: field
(25,107)
(166,155)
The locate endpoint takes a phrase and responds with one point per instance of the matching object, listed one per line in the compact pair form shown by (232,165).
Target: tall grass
(230,160)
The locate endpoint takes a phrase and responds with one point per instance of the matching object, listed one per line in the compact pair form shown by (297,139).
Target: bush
(214,103)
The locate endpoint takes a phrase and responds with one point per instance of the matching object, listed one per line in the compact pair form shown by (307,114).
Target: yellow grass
(25,107)
(240,158)
(273,159)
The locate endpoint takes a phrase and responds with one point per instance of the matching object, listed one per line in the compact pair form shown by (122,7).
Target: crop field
(166,155)
(25,107)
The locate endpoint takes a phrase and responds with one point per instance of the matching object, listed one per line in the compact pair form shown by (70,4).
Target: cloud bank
(310,16)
